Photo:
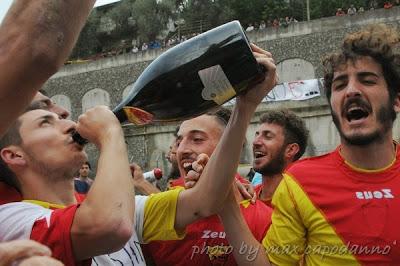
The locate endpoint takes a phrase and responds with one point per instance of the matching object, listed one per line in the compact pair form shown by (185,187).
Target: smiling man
(205,241)
(342,208)
(280,140)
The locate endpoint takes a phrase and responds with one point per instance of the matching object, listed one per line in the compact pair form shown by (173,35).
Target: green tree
(88,42)
(152,16)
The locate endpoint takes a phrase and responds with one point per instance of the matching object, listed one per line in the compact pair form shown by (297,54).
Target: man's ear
(291,150)
(396,103)
(13,156)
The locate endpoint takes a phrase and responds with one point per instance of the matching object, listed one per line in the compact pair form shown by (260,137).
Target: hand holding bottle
(254,95)
(98,125)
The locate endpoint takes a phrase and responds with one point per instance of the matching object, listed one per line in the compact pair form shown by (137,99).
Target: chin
(361,139)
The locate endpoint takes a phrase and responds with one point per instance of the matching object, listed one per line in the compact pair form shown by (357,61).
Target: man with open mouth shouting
(342,208)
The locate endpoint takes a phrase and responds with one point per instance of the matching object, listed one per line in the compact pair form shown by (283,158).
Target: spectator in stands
(250,27)
(262,25)
(135,49)
(275,23)
(82,182)
(280,140)
(387,5)
(352,10)
(144,46)
(340,12)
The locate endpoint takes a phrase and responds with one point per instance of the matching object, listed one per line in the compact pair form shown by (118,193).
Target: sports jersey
(180,182)
(154,220)
(332,213)
(205,242)
(258,190)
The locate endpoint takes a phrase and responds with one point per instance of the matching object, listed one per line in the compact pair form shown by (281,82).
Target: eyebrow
(360,74)
(49,117)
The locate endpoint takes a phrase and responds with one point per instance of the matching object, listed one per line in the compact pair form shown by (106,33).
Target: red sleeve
(241,179)
(57,235)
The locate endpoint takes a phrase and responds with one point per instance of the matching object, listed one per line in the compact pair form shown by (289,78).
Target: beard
(53,173)
(385,117)
(275,165)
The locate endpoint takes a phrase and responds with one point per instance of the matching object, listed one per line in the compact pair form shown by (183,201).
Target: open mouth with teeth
(258,154)
(356,113)
(187,167)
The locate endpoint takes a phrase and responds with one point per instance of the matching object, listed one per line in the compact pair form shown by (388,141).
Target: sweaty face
(41,101)
(360,102)
(47,144)
(196,136)
(269,149)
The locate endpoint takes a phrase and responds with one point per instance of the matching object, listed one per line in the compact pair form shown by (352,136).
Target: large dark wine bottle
(192,77)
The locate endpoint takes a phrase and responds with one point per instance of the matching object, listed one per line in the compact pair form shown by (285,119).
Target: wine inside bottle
(192,77)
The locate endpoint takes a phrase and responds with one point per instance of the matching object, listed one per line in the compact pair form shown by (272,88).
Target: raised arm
(36,38)
(104,221)
(246,249)
(207,197)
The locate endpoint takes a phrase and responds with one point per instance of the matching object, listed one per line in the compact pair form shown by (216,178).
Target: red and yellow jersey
(328,212)
(258,190)
(205,242)
(50,224)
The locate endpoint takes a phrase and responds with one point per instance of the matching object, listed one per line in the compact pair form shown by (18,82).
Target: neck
(370,157)
(83,178)
(56,191)
(269,185)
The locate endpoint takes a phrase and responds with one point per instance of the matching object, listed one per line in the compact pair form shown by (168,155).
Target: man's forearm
(219,174)
(36,38)
(107,214)
(246,249)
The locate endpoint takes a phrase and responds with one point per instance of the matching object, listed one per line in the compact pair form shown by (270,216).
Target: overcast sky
(5,4)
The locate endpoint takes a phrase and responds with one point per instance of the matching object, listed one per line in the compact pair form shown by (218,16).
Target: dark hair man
(280,140)
(82,182)
(205,241)
(43,159)
(342,208)
(35,39)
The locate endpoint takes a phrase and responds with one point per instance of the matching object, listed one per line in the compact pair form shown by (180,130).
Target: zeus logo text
(211,234)
(384,193)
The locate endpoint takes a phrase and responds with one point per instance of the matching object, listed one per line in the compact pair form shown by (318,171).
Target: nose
(256,141)
(184,148)
(69,126)
(60,111)
(353,89)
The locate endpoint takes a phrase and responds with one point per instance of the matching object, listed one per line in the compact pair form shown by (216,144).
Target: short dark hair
(294,128)
(378,41)
(222,115)
(11,137)
(88,164)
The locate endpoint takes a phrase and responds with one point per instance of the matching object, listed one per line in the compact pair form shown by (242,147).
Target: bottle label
(217,87)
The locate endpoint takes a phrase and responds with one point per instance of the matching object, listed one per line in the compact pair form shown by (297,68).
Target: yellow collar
(45,204)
